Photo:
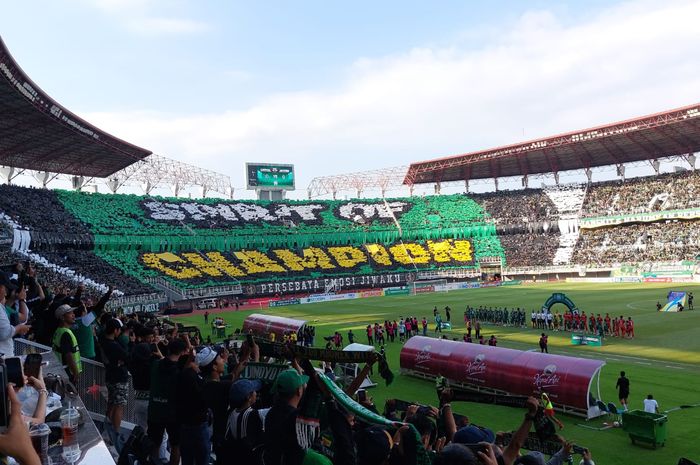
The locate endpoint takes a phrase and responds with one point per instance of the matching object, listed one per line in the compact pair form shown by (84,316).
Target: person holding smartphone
(7,330)
(15,442)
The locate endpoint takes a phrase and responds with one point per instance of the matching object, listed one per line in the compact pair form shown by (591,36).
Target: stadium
(295,276)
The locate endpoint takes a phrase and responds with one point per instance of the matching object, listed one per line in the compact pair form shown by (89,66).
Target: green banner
(586,340)
(515,282)
(284,303)
(395,291)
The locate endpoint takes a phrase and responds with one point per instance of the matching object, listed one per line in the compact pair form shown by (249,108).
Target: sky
(337,87)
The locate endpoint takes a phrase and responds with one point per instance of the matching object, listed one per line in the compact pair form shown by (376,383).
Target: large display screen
(270,176)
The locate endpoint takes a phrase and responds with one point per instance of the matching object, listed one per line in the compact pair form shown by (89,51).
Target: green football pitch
(663,359)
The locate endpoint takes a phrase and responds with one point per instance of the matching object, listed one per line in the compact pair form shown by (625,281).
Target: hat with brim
(205,356)
(472,434)
(241,389)
(289,381)
(63,309)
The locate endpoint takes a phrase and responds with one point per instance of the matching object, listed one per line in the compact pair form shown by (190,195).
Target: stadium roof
(39,134)
(674,132)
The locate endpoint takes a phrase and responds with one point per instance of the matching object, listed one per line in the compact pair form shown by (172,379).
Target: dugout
(261,325)
(572,383)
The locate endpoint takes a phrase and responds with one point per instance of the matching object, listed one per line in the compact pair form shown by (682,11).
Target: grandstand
(188,248)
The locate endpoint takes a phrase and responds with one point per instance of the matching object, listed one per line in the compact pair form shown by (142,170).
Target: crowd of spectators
(517,207)
(671,191)
(87,263)
(40,210)
(642,242)
(532,249)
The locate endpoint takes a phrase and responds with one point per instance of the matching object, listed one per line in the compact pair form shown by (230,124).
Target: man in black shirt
(281,443)
(192,411)
(143,355)
(161,414)
(116,373)
(244,428)
(623,386)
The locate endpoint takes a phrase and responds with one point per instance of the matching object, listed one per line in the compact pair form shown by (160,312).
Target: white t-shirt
(650,405)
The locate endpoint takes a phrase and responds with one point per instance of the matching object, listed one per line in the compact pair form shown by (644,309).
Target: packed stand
(644,242)
(518,206)
(671,191)
(87,263)
(534,249)
(41,211)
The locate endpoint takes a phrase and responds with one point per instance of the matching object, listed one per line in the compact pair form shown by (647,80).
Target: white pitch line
(643,363)
(676,367)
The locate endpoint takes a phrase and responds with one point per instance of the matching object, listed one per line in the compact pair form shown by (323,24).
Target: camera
(578,449)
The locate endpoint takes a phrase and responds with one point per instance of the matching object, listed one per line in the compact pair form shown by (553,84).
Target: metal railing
(91,384)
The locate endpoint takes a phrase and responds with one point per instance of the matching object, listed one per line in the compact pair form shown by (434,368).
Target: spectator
(115,359)
(192,410)
(7,331)
(244,429)
(163,396)
(65,345)
(281,444)
(143,356)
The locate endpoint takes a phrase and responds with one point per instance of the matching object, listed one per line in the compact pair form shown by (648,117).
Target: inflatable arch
(569,381)
(262,325)
(559,298)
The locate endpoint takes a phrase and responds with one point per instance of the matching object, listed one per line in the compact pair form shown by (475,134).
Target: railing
(91,385)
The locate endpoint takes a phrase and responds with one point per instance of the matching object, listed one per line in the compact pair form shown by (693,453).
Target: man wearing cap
(216,392)
(244,429)
(192,411)
(65,344)
(7,331)
(115,358)
(281,444)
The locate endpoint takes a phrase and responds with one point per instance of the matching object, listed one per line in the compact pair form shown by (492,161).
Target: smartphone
(32,365)
(14,371)
(578,449)
(4,400)
(362,395)
(478,448)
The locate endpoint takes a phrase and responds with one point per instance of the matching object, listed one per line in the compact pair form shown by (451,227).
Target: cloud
(538,77)
(138,16)
(166,26)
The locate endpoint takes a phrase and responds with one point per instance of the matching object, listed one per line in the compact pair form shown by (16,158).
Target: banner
(372,293)
(151,307)
(514,282)
(586,340)
(321,284)
(397,291)
(657,280)
(280,351)
(283,303)
(564,379)
(424,289)
(283,269)
(263,371)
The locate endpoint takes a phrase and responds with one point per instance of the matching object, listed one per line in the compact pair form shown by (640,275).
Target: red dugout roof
(674,132)
(39,134)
